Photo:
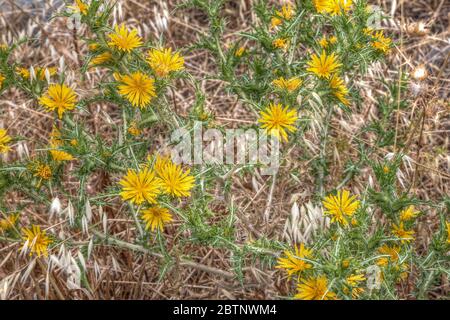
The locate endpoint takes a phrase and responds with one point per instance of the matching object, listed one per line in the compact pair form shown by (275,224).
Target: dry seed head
(55,207)
(420,72)
(417,29)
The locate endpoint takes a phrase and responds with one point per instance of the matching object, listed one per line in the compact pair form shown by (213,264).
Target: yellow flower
(368,31)
(408,214)
(276,120)
(339,89)
(333,39)
(381,42)
(101,59)
(292,263)
(124,40)
(160,163)
(58,97)
(2,78)
(55,137)
(314,289)
(140,186)
(340,206)
(93,46)
(447,224)
(392,253)
(286,13)
(156,217)
(36,240)
(38,71)
(80,6)
(4,141)
(400,232)
(137,88)
(338,7)
(59,155)
(324,65)
(322,6)
(133,129)
(345,263)
(174,181)
(323,42)
(275,22)
(280,43)
(43,171)
(24,72)
(239,52)
(163,62)
(8,222)
(355,279)
(287,84)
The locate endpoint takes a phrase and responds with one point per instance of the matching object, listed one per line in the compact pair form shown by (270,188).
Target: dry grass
(263,203)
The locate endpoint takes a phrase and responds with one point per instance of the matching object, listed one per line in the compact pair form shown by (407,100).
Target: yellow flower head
(322,6)
(174,180)
(8,222)
(163,62)
(24,72)
(408,214)
(4,141)
(381,42)
(339,89)
(368,31)
(355,279)
(323,42)
(333,39)
(275,22)
(338,7)
(137,88)
(38,71)
(140,186)
(324,65)
(280,43)
(400,232)
(239,52)
(55,137)
(102,58)
(58,97)
(286,13)
(290,85)
(314,288)
(36,241)
(392,254)
(93,46)
(160,163)
(293,262)
(59,155)
(43,171)
(156,217)
(340,206)
(133,129)
(124,40)
(276,120)
(447,224)
(345,263)
(80,6)
(2,78)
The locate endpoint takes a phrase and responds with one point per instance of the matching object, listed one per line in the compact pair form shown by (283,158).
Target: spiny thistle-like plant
(293,70)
